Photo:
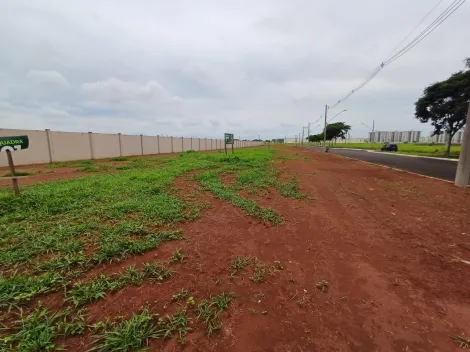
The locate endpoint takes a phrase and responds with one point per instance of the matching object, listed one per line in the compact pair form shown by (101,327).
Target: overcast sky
(202,68)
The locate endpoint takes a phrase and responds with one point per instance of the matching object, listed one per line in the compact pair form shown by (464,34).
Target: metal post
(142,144)
(13,173)
(182,144)
(191,143)
(462,177)
(373,133)
(324,130)
(158,144)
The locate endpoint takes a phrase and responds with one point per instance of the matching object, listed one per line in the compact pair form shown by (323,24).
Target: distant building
(443,138)
(395,136)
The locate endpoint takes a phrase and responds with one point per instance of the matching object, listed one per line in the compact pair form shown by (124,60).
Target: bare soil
(388,243)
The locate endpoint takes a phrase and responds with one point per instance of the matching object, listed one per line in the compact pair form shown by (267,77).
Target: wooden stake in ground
(13,173)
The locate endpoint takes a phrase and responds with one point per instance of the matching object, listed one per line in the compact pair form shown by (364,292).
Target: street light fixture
(337,114)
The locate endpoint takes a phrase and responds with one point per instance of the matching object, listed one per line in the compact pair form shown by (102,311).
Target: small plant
(208,311)
(177,256)
(259,271)
(322,286)
(191,301)
(127,335)
(462,341)
(156,271)
(240,263)
(180,295)
(84,292)
(132,276)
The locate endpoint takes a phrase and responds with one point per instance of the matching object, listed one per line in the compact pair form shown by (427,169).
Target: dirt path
(388,243)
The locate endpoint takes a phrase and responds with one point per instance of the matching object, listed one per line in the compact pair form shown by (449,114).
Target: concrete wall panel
(187,144)
(130,145)
(165,145)
(66,146)
(177,144)
(150,145)
(37,153)
(105,145)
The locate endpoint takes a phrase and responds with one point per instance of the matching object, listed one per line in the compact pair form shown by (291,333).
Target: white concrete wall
(69,146)
(165,145)
(130,145)
(66,146)
(37,153)
(150,145)
(187,144)
(105,145)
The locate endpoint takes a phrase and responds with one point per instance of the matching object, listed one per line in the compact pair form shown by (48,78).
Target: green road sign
(228,138)
(13,143)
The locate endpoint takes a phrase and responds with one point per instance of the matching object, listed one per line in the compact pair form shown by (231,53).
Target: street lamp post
(324,131)
(373,132)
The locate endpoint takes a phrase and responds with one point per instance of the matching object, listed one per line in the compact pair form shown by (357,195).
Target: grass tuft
(240,263)
(209,310)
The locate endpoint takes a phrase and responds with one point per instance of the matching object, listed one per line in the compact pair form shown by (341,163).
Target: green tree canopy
(333,131)
(444,104)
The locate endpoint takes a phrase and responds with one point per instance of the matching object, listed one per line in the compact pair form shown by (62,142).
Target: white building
(443,138)
(395,136)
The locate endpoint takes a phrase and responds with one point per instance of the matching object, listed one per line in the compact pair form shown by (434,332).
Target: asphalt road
(444,169)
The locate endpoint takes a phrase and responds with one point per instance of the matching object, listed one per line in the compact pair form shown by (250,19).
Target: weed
(322,286)
(240,263)
(38,330)
(177,256)
(84,292)
(290,189)
(132,276)
(208,311)
(180,295)
(462,341)
(127,335)
(178,322)
(156,271)
(17,288)
(259,271)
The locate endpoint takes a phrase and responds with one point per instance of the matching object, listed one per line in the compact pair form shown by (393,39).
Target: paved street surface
(444,169)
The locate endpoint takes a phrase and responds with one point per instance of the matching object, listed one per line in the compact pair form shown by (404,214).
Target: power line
(428,30)
(433,26)
(420,22)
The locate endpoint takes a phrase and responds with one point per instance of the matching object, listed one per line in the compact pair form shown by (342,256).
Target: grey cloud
(266,67)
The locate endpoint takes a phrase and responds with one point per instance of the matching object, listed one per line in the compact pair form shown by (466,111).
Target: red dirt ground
(388,243)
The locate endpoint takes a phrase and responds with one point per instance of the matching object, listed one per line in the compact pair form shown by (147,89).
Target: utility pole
(324,130)
(462,177)
(308,133)
(373,134)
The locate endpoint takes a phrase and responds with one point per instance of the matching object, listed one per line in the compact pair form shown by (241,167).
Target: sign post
(8,145)
(228,137)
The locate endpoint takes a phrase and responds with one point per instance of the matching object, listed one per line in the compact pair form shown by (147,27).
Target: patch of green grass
(209,310)
(119,158)
(290,189)
(178,322)
(240,263)
(127,335)
(91,291)
(17,289)
(211,182)
(38,330)
(21,173)
(95,289)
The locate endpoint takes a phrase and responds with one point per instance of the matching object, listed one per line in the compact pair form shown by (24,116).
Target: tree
(333,131)
(444,104)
